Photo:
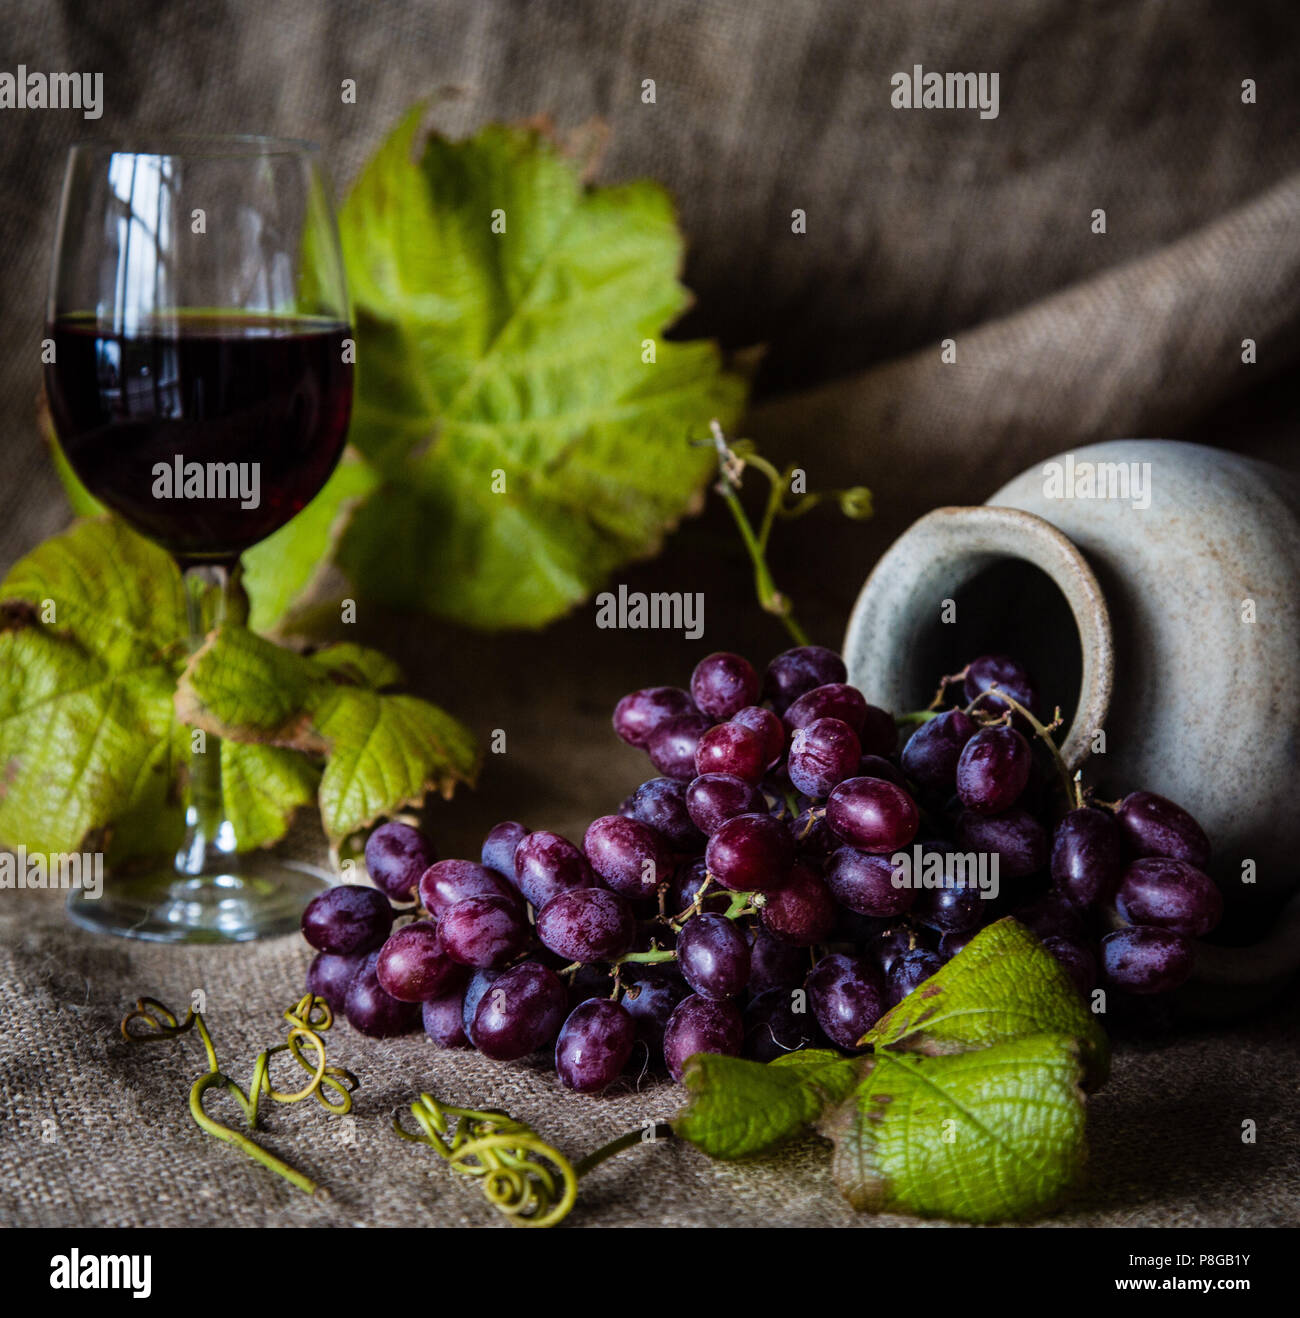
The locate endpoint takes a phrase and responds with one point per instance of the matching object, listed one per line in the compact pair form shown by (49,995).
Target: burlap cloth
(922,225)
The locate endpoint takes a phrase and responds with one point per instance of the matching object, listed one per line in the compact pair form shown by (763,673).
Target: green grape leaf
(967,1104)
(93,643)
(514,385)
(382,751)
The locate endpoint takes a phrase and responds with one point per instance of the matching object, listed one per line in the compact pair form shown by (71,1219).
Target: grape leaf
(967,1105)
(383,751)
(529,445)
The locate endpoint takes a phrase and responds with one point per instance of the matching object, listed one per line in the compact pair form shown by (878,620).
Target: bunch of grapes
(747,899)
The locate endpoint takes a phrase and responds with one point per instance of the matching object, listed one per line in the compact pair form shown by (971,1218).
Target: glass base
(249,896)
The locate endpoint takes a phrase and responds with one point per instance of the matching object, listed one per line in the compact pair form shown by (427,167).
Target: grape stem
(642,1135)
(1071,783)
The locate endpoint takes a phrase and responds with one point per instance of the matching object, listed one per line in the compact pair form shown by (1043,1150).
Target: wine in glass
(200,388)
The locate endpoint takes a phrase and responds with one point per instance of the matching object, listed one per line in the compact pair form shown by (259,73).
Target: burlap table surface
(921,226)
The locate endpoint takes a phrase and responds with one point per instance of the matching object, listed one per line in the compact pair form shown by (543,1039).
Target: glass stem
(214,595)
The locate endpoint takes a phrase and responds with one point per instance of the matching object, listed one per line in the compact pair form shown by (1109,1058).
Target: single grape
(1076,960)
(636,716)
(1154,826)
(1050,916)
(520,1012)
(1017,838)
(1004,672)
(909,972)
(768,726)
(628,855)
(773,1027)
(685,887)
(396,856)
(713,798)
(795,671)
(955,941)
(449,881)
(414,966)
(878,733)
(347,919)
(594,1045)
(931,753)
(500,845)
(774,964)
(700,1025)
(660,804)
(876,766)
(1087,856)
(1144,959)
(872,814)
(371,1010)
(587,924)
(750,853)
(713,956)
(847,997)
(732,749)
(476,986)
(723,684)
(813,839)
(955,908)
(650,998)
(547,863)
(823,753)
(444,1019)
(329,975)
(865,883)
(673,744)
(1170,894)
(834,700)
(801,911)
(897,940)
(484,932)
(992,770)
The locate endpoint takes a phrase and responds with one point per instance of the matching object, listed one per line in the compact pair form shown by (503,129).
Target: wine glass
(200,387)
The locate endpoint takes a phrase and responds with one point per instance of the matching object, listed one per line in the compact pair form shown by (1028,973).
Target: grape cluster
(746,900)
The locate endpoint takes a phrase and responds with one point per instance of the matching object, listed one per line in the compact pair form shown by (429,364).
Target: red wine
(205,433)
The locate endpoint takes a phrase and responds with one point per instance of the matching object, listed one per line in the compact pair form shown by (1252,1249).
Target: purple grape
(477,985)
(713,798)
(847,997)
(329,975)
(897,940)
(909,972)
(414,966)
(774,964)
(547,863)
(801,911)
(660,804)
(699,1025)
(594,1045)
(732,749)
(796,671)
(519,1012)
(396,856)
(347,919)
(992,770)
(638,715)
(628,855)
(685,887)
(484,932)
(955,941)
(1050,917)
(1087,857)
(878,733)
(673,744)
(750,853)
(865,883)
(372,1010)
(876,766)
(713,956)
(444,1021)
(931,753)
(1145,960)
(1004,672)
(450,881)
(954,908)
(1154,826)
(813,838)
(650,999)
(770,730)
(500,845)
(1076,960)
(834,700)
(1017,838)
(723,684)
(872,814)
(823,753)
(587,924)
(773,1027)
(1169,894)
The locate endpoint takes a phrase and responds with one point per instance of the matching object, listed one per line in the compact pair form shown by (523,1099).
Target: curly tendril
(308,1019)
